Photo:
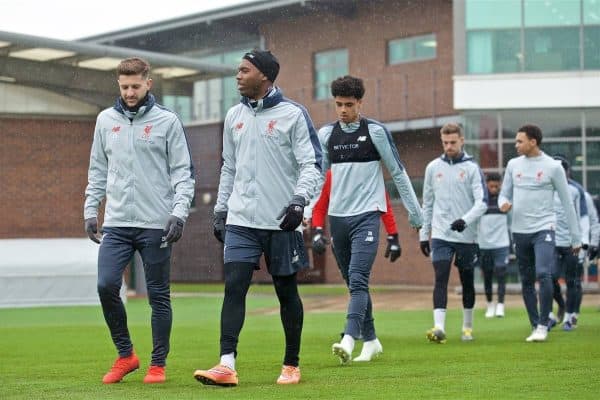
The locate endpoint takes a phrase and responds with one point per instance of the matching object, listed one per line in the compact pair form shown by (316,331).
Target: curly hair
(348,86)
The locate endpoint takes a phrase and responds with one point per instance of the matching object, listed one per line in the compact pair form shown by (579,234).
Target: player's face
(453,144)
(493,187)
(250,80)
(524,145)
(133,88)
(347,108)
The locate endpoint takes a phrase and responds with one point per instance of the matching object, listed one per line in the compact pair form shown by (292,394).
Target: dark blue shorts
(467,254)
(284,251)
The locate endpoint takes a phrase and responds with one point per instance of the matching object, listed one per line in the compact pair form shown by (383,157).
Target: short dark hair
(451,128)
(493,177)
(134,66)
(348,86)
(532,132)
(564,161)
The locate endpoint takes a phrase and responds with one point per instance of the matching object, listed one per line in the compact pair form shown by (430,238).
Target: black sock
(292,316)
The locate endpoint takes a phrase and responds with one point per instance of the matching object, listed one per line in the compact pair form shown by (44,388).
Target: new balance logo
(361,139)
(369,237)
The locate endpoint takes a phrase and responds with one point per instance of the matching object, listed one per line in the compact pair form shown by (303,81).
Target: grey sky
(73,19)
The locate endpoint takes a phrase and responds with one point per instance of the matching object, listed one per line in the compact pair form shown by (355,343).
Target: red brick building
(402,49)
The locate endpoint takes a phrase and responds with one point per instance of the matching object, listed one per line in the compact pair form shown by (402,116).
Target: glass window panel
(493,13)
(493,51)
(508,152)
(593,182)
(480,126)
(571,150)
(552,12)
(412,49)
(591,12)
(552,49)
(425,47)
(486,154)
(591,47)
(181,105)
(593,153)
(592,123)
(329,65)
(553,123)
(398,50)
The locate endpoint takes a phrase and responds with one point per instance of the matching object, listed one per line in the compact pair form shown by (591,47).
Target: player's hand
(592,252)
(505,207)
(174,229)
(91,228)
(219,225)
(393,249)
(425,249)
(292,214)
(575,249)
(319,241)
(459,225)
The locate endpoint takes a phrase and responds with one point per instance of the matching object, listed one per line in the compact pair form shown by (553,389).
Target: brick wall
(43,174)
(393,92)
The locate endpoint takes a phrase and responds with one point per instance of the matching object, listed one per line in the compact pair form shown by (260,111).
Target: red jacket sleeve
(388,217)
(319,212)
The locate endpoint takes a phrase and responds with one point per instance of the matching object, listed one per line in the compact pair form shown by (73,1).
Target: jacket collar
(462,157)
(273,97)
(143,109)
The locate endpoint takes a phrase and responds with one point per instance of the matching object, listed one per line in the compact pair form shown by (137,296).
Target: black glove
(173,229)
(585,246)
(292,215)
(393,250)
(425,249)
(592,252)
(319,241)
(219,225)
(91,228)
(459,225)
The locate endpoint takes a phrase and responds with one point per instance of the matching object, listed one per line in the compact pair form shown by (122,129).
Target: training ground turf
(62,352)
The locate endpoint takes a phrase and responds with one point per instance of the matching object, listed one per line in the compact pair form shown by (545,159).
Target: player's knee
(108,289)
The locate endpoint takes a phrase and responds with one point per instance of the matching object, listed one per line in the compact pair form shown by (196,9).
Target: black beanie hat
(265,62)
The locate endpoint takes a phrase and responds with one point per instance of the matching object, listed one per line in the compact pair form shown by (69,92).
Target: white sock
(370,343)
(467,318)
(551,315)
(348,342)
(439,318)
(228,360)
(567,317)
(490,304)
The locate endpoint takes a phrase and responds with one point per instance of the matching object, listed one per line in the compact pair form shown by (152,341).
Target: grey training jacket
(141,165)
(453,189)
(270,153)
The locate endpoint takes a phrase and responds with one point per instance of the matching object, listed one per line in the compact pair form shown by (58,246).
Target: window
(181,105)
(495,51)
(591,12)
(554,124)
(552,13)
(488,14)
(410,49)
(329,65)
(504,36)
(552,49)
(591,46)
(213,97)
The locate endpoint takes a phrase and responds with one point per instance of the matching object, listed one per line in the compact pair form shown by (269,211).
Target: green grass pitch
(62,353)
